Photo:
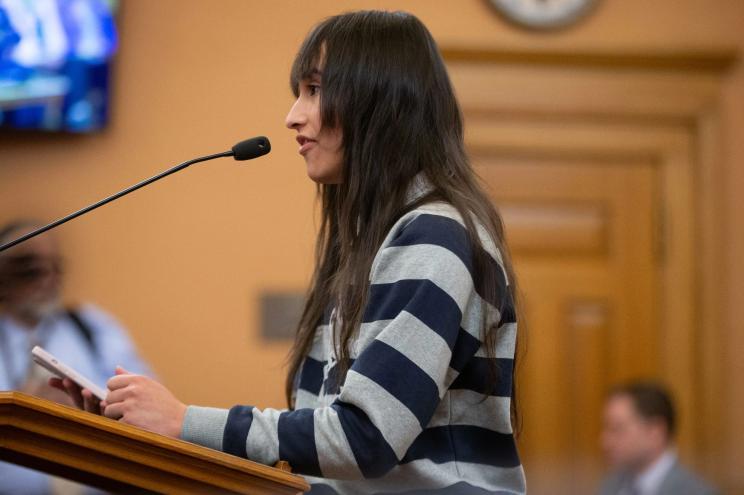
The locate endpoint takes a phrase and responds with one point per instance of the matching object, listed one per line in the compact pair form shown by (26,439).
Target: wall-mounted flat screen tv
(54,64)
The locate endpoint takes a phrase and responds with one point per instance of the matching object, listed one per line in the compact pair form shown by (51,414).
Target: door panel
(582,241)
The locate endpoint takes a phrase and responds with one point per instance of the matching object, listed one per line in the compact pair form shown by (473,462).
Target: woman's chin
(323,176)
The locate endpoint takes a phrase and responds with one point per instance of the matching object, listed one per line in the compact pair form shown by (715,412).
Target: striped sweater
(417,412)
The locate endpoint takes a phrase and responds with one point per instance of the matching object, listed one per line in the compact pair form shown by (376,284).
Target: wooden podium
(120,458)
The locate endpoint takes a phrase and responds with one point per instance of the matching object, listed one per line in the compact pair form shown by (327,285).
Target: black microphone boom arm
(256,146)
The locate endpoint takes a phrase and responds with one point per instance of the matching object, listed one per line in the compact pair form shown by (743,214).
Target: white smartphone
(60,369)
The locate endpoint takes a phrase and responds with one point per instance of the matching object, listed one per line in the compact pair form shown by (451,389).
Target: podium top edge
(14,404)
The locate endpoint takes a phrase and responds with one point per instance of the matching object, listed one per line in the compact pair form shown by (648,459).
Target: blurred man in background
(638,441)
(31,313)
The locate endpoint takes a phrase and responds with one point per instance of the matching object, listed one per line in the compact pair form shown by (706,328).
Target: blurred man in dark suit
(638,441)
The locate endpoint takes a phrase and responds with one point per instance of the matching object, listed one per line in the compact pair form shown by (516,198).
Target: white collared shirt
(650,480)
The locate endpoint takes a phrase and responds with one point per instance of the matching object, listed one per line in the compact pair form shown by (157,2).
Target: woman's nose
(295,117)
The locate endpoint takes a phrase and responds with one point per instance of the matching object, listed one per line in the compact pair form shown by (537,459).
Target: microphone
(251,148)
(244,150)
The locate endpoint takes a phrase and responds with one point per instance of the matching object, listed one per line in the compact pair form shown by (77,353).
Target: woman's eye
(313,89)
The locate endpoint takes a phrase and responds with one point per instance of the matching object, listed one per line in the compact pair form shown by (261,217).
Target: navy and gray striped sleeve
(421,285)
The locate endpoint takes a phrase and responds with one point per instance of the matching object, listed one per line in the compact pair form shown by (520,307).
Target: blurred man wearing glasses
(31,313)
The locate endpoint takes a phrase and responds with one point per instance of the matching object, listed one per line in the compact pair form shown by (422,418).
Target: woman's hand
(81,397)
(140,401)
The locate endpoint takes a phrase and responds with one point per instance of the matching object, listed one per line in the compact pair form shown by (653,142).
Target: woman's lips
(306,145)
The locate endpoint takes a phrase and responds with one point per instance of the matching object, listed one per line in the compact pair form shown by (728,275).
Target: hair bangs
(308,60)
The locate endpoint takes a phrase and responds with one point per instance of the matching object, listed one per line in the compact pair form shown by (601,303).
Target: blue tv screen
(55,64)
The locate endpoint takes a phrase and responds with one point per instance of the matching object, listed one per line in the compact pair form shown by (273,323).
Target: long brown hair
(384,84)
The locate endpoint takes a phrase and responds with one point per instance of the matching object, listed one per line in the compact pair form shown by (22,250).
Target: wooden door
(582,240)
(604,167)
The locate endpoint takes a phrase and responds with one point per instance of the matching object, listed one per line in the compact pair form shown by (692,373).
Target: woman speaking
(401,373)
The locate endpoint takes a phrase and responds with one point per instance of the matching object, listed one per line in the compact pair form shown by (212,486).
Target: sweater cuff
(204,426)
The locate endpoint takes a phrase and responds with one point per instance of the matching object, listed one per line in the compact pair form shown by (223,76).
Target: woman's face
(320,147)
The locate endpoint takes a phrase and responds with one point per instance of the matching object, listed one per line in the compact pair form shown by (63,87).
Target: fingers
(114,411)
(90,402)
(140,401)
(119,395)
(121,380)
(73,390)
(121,371)
(114,405)
(81,398)
(55,382)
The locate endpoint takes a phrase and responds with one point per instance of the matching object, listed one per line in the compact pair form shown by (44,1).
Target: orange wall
(183,262)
